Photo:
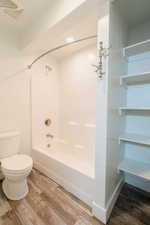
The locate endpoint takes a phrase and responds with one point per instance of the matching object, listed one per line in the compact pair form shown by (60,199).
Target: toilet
(15,167)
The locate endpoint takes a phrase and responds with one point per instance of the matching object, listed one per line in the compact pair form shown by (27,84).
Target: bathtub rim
(91,176)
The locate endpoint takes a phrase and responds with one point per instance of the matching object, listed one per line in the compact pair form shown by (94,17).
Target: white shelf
(135,108)
(135,49)
(135,78)
(136,168)
(135,138)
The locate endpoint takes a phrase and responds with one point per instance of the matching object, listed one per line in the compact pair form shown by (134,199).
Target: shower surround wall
(66,95)
(45,102)
(78,103)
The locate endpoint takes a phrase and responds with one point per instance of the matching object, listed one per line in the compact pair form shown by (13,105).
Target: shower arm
(60,47)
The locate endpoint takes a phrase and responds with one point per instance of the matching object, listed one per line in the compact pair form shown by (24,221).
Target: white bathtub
(68,168)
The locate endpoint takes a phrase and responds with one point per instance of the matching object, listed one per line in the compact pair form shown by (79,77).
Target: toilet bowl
(15,169)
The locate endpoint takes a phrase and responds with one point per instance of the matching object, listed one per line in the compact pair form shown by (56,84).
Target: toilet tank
(9,143)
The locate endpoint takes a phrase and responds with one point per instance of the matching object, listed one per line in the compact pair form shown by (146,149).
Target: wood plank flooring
(49,204)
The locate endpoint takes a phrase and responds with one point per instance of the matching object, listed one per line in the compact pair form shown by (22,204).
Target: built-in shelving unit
(135,49)
(136,168)
(135,79)
(135,138)
(133,165)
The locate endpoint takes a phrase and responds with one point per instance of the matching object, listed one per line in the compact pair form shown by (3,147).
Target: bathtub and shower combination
(64,149)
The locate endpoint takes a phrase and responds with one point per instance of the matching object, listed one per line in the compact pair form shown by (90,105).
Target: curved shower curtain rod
(60,47)
(48,52)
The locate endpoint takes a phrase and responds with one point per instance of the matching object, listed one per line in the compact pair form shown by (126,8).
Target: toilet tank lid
(8,134)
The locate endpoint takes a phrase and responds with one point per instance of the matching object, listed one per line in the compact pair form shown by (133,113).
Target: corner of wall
(103,214)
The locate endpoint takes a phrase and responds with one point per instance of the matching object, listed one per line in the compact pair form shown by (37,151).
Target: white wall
(15,108)
(139,33)
(14,93)
(78,102)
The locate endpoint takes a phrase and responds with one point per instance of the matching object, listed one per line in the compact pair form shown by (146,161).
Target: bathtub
(67,167)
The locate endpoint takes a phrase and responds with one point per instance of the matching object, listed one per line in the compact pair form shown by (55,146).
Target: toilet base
(15,190)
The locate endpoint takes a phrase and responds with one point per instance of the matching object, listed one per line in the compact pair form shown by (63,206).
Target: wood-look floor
(49,204)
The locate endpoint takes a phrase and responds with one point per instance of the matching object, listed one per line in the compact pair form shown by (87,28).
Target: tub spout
(49,136)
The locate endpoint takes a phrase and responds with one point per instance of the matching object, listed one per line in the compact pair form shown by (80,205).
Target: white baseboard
(99,212)
(64,183)
(103,214)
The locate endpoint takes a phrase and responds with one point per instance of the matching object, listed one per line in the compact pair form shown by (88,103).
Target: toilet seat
(17,164)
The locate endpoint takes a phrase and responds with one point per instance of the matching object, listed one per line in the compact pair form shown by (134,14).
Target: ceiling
(79,23)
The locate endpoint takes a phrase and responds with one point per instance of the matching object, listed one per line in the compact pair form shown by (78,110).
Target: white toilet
(14,166)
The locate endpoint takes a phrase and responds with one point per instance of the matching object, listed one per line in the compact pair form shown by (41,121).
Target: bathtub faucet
(49,136)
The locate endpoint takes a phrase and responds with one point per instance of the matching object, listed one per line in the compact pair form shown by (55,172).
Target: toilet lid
(17,163)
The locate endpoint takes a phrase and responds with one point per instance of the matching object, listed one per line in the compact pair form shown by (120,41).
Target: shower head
(48,69)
